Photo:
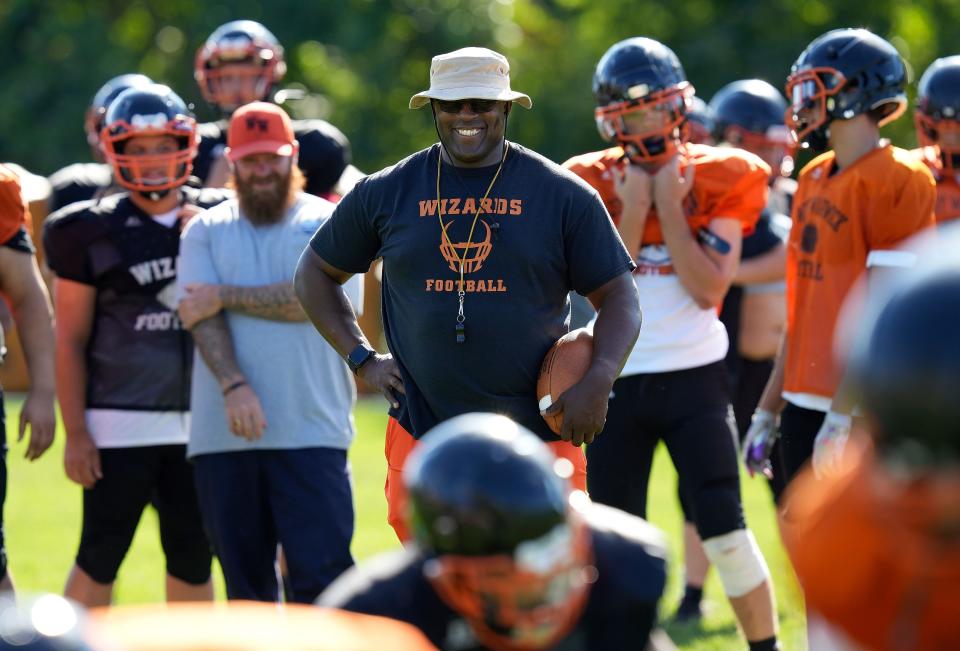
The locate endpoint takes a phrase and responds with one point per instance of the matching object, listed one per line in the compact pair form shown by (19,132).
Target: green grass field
(42,527)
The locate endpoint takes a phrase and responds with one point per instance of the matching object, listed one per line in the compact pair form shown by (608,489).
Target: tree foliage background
(360,60)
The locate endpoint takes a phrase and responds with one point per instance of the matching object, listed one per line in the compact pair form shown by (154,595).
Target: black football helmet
(699,122)
(93,120)
(937,115)
(509,552)
(842,74)
(907,371)
(749,114)
(642,76)
(152,110)
(244,49)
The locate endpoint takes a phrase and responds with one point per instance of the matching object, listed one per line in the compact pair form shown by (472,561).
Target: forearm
(276,302)
(71,383)
(213,340)
(767,268)
(702,276)
(772,397)
(326,305)
(616,330)
(35,325)
(633,219)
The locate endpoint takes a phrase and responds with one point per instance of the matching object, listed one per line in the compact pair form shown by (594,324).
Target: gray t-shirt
(304,386)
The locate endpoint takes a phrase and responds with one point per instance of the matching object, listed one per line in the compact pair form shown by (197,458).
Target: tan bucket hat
(470,73)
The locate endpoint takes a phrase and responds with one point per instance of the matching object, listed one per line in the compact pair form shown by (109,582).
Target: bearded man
(272,418)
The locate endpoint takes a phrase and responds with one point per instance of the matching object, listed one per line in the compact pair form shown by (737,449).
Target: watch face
(358,356)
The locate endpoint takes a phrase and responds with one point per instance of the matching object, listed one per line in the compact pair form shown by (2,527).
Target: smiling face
(471,130)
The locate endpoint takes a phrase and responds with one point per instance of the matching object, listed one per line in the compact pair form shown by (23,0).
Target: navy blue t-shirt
(541,233)
(628,554)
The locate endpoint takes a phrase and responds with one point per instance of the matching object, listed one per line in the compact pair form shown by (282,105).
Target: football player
(854,204)
(681,209)
(874,544)
(22,286)
(937,117)
(749,114)
(242,62)
(82,181)
(123,359)
(506,556)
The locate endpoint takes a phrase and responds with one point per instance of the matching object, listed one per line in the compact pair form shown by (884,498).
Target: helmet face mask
(525,601)
(153,112)
(239,63)
(813,99)
(649,128)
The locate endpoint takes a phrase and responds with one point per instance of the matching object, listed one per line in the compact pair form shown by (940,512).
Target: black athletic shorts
(133,478)
(690,411)
(798,429)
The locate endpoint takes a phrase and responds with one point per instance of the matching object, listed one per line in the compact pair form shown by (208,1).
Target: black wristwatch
(359,356)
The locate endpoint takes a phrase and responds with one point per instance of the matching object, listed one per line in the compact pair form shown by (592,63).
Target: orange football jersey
(728,182)
(13,207)
(838,220)
(876,557)
(948,187)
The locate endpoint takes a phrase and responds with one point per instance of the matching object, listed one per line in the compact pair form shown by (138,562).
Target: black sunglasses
(478,105)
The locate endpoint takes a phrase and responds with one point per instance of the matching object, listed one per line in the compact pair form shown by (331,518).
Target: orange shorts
(400,443)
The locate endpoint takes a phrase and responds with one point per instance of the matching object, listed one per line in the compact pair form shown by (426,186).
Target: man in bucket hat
(481,240)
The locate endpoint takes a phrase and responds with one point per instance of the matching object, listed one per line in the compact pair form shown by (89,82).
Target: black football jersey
(80,182)
(629,556)
(324,152)
(138,356)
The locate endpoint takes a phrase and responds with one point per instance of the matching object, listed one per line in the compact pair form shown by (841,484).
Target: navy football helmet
(249,54)
(842,74)
(643,98)
(937,115)
(699,122)
(750,114)
(152,110)
(509,551)
(93,120)
(907,371)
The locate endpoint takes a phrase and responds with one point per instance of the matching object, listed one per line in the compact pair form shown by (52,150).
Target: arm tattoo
(276,302)
(213,340)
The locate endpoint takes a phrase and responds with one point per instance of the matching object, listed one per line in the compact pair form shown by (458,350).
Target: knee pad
(738,560)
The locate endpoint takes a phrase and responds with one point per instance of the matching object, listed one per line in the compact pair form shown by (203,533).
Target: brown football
(566,363)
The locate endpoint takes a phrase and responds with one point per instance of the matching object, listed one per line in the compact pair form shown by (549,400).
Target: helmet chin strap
(153,195)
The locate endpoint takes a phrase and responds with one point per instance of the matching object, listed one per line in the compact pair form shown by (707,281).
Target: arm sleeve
(595,253)
(13,208)
(746,196)
(196,261)
(349,240)
(906,211)
(66,245)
